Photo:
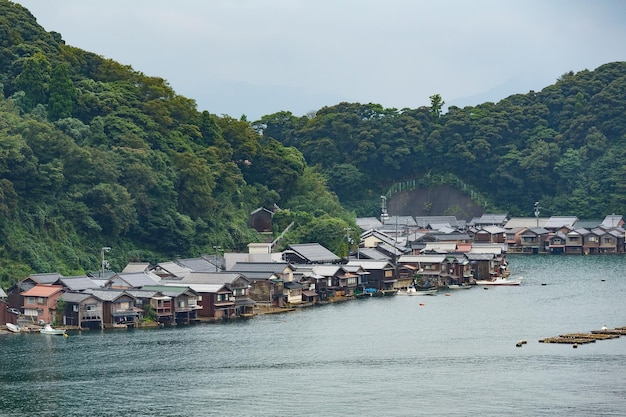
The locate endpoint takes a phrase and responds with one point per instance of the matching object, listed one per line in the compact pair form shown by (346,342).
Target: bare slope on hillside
(439,200)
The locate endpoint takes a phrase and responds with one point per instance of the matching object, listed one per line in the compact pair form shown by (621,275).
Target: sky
(259,57)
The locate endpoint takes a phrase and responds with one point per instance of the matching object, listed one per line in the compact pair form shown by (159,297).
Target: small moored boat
(13,328)
(414,291)
(47,329)
(500,281)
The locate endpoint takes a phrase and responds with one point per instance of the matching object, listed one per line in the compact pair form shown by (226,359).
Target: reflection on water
(455,355)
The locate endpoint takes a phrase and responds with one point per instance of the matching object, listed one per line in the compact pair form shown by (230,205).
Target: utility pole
(348,240)
(103,262)
(217,248)
(537,212)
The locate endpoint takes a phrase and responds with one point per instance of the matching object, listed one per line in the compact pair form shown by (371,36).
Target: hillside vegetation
(95,154)
(564,146)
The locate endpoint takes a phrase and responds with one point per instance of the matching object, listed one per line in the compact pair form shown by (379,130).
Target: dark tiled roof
(314,252)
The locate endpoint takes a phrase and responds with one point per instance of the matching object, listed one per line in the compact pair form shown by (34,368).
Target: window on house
(41,300)
(30,300)
(90,307)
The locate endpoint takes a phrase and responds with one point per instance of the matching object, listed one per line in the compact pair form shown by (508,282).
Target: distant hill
(564,146)
(439,200)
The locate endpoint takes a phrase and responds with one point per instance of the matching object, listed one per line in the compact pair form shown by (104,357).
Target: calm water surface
(453,356)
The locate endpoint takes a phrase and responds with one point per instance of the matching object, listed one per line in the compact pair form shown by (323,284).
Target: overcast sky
(257,57)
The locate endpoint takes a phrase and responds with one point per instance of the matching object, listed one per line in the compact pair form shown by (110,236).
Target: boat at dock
(47,329)
(13,328)
(459,287)
(414,291)
(500,281)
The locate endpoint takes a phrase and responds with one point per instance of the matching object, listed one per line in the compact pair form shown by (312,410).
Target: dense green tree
(62,93)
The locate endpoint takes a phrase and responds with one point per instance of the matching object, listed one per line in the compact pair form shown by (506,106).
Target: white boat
(414,291)
(13,328)
(500,281)
(47,329)
(459,287)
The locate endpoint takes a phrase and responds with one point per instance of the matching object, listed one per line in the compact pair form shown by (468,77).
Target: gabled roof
(108,294)
(440,247)
(270,267)
(370,265)
(556,222)
(217,278)
(198,264)
(480,256)
(367,223)
(372,253)
(136,267)
(135,280)
(42,290)
(313,252)
(580,232)
(613,220)
(492,230)
(45,278)
(422,259)
(426,222)
(75,297)
(492,219)
(528,222)
(588,224)
(171,268)
(78,283)
(326,270)
(400,221)
(3,294)
(171,290)
(535,231)
(207,288)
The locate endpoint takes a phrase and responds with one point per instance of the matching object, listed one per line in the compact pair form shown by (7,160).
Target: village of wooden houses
(393,256)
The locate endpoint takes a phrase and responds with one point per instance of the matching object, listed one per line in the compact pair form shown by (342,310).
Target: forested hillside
(564,146)
(95,154)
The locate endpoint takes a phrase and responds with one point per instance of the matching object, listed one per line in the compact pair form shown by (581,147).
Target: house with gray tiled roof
(83,310)
(219,302)
(266,280)
(368,223)
(436,222)
(133,280)
(612,221)
(203,264)
(78,283)
(309,253)
(560,222)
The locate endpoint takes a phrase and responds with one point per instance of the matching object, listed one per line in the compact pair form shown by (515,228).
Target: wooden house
(380,275)
(575,241)
(83,310)
(261,220)
(223,294)
(266,280)
(40,302)
(556,242)
(132,280)
(309,253)
(532,240)
(184,301)
(118,306)
(490,234)
(560,223)
(14,294)
(429,268)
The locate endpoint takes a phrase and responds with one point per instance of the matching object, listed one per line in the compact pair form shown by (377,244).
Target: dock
(583,338)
